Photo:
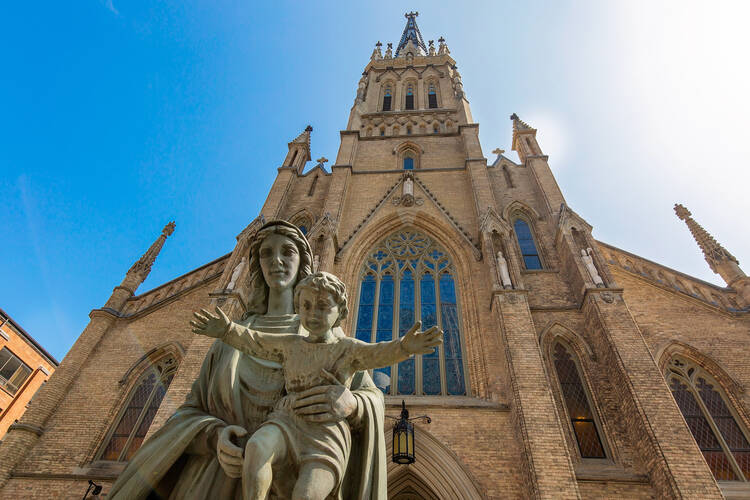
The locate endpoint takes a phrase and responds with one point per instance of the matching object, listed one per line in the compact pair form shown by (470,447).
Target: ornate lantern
(403,437)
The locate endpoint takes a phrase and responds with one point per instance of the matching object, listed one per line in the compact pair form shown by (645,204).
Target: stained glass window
(408,163)
(413,279)
(143,403)
(720,438)
(526,243)
(577,404)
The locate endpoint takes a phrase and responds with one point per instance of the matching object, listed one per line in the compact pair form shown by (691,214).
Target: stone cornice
(20,426)
(401,63)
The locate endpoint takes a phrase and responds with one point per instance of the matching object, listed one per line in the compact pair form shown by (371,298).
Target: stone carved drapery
(406,278)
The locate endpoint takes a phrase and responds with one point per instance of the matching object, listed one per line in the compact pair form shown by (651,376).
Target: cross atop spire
(411,34)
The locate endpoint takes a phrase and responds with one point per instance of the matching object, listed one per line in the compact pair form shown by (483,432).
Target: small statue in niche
(236,273)
(588,260)
(502,267)
(319,450)
(458,85)
(362,87)
(316,262)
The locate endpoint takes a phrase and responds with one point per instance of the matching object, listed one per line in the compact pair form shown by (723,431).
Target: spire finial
(714,253)
(498,151)
(411,37)
(308,128)
(142,267)
(322,160)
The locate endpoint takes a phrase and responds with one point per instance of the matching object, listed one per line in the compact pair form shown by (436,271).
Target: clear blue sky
(119,116)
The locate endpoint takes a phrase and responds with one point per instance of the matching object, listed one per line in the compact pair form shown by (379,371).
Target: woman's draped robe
(236,389)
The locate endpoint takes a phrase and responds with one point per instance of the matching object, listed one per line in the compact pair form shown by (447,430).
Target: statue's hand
(228,453)
(209,325)
(326,403)
(417,342)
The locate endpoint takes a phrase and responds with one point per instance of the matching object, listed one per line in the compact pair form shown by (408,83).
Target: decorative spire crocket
(143,266)
(714,253)
(411,34)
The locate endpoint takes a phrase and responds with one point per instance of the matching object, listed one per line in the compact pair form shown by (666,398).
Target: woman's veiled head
(274,259)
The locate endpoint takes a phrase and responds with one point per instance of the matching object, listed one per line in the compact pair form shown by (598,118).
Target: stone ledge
(604,470)
(445,402)
(734,490)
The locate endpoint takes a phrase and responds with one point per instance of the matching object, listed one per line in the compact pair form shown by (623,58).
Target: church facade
(570,368)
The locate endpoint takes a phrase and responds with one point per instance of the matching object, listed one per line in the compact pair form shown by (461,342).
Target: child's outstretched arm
(255,343)
(368,356)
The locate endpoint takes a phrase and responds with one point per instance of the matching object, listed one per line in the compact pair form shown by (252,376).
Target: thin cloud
(111,7)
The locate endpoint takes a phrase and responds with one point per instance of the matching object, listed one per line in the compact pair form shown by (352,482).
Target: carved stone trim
(20,426)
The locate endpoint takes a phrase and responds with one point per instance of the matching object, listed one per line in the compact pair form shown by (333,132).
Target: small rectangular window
(387,103)
(13,371)
(409,102)
(432,98)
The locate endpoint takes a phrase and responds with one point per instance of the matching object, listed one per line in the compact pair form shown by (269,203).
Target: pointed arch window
(387,98)
(709,416)
(409,97)
(526,243)
(577,404)
(406,278)
(432,96)
(144,400)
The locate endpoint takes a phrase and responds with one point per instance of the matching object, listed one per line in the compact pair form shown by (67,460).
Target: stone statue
(408,186)
(389,51)
(318,450)
(199,452)
(588,260)
(236,273)
(502,267)
(362,87)
(316,262)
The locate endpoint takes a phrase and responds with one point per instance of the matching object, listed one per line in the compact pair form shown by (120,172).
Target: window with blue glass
(529,252)
(409,97)
(432,96)
(408,163)
(387,99)
(407,278)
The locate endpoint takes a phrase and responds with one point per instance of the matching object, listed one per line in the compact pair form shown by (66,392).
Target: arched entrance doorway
(436,475)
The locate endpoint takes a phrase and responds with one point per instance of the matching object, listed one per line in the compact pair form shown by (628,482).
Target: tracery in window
(141,407)
(577,403)
(408,277)
(526,243)
(708,414)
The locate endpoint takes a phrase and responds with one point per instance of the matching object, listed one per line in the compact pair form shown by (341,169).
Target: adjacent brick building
(570,369)
(24,367)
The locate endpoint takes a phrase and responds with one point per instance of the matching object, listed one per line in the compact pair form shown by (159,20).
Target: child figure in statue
(319,451)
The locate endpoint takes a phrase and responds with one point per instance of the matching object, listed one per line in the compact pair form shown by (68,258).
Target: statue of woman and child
(283,406)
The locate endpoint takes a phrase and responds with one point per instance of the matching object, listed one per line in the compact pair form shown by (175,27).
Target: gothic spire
(411,34)
(143,266)
(304,139)
(714,253)
(518,124)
